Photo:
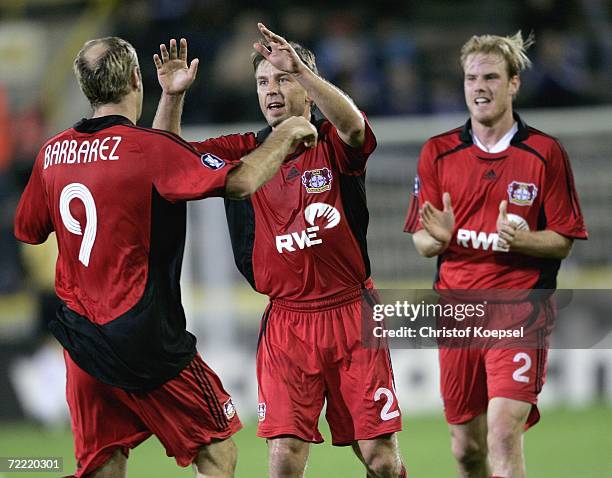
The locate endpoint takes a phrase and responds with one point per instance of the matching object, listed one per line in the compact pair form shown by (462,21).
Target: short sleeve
(182,173)
(426,188)
(352,161)
(33,222)
(561,205)
(232,148)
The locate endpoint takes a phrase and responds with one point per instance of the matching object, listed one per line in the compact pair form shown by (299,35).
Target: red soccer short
(184,413)
(472,375)
(312,352)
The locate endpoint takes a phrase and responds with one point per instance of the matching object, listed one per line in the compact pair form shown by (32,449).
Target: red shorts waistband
(347,296)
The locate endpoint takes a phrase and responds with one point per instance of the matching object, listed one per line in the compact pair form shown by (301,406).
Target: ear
(136,78)
(515,84)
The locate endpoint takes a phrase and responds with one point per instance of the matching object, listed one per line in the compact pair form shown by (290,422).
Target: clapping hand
(439,224)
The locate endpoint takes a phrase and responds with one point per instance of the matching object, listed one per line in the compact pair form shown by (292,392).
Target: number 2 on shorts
(518,373)
(384,413)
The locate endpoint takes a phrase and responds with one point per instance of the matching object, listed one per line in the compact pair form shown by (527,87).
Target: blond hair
(105,73)
(511,48)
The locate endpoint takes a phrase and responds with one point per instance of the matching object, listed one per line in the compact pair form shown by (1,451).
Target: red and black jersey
(302,236)
(533,174)
(115,194)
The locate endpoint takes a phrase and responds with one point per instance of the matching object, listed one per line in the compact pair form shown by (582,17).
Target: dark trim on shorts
(264,324)
(211,400)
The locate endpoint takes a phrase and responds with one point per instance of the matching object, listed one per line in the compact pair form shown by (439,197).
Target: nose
(273,87)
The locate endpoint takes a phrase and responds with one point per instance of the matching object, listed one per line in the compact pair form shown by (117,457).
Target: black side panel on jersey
(354,203)
(549,268)
(148,345)
(241,223)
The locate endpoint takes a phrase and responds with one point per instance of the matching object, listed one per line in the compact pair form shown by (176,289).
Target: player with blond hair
(495,201)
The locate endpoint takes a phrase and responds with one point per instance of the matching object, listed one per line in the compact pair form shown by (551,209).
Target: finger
(157,61)
(262,50)
(503,209)
(193,68)
(269,34)
(501,244)
(164,53)
(446,200)
(173,49)
(183,50)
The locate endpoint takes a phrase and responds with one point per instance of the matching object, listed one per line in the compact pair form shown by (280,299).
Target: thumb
(446,200)
(503,209)
(193,67)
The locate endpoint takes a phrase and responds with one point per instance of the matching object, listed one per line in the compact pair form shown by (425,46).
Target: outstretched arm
(175,77)
(337,107)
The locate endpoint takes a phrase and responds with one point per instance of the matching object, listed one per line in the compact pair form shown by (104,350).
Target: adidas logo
(490,175)
(293,173)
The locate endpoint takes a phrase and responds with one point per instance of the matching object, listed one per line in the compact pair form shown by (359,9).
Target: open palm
(173,73)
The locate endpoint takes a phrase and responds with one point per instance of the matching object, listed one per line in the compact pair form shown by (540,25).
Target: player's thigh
(190,411)
(506,415)
(216,459)
(384,448)
(114,467)
(463,383)
(103,422)
(289,378)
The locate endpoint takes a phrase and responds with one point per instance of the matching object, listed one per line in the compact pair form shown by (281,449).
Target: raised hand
(506,229)
(174,75)
(281,54)
(439,224)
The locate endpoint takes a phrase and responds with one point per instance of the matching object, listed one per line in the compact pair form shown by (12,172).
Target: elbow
(565,251)
(355,136)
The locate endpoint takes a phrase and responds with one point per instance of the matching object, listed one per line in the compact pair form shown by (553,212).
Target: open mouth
(482,101)
(276,105)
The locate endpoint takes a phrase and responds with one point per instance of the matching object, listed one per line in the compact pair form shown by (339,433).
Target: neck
(490,134)
(122,109)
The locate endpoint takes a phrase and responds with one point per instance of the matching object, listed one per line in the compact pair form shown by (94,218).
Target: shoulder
(547,146)
(443,144)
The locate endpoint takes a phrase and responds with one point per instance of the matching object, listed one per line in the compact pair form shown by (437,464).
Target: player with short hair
(115,194)
(301,240)
(495,201)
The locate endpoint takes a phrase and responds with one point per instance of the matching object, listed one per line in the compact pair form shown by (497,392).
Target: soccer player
(115,194)
(495,201)
(301,240)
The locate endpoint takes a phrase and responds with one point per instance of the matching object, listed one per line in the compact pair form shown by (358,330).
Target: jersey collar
(521,135)
(93,125)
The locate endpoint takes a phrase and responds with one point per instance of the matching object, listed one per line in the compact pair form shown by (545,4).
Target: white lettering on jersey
(482,240)
(308,237)
(85,151)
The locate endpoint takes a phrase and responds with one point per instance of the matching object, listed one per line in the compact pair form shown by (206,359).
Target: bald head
(104,69)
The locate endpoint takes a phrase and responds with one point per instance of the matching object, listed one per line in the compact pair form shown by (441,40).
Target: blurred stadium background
(398,61)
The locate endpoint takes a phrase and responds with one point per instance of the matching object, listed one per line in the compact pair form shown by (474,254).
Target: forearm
(426,245)
(169,111)
(545,243)
(336,106)
(258,167)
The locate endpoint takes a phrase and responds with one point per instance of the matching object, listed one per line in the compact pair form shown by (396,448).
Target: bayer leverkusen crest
(317,180)
(522,194)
